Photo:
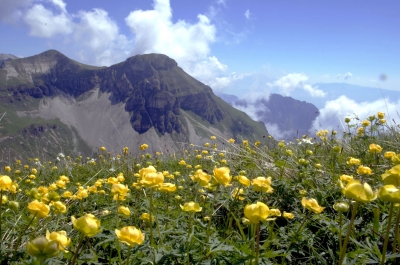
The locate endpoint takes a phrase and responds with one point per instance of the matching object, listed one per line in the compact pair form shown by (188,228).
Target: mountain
(5,57)
(55,104)
(357,93)
(284,117)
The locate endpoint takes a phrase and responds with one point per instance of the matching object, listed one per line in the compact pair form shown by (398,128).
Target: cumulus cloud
(291,82)
(188,44)
(100,38)
(332,115)
(44,23)
(96,38)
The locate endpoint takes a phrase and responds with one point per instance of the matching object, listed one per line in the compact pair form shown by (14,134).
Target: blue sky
(248,48)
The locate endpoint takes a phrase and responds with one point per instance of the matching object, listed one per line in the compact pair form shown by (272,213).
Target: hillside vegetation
(321,199)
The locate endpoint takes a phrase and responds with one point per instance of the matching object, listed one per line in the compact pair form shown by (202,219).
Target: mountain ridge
(150,92)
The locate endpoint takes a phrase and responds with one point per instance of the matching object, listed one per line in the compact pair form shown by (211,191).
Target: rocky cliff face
(154,92)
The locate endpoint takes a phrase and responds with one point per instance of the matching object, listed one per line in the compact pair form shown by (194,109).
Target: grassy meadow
(321,199)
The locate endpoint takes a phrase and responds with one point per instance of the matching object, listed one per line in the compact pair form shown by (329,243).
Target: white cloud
(291,82)
(277,133)
(12,10)
(95,37)
(331,117)
(100,39)
(188,44)
(347,75)
(344,76)
(247,14)
(44,23)
(60,4)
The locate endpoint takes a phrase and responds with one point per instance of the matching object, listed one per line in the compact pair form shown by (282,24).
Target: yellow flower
(146,217)
(237,194)
(191,207)
(146,170)
(256,212)
(34,170)
(167,187)
(232,141)
(246,142)
(201,177)
(119,189)
(262,184)
(182,162)
(88,224)
(288,215)
(4,199)
(152,179)
(353,161)
(67,194)
(364,170)
(41,247)
(61,237)
(103,148)
(244,180)
(82,193)
(213,138)
(275,212)
(125,150)
(144,147)
(206,144)
(7,168)
(382,121)
(346,178)
(357,191)
(312,205)
(381,115)
(392,176)
(124,211)
(389,154)
(389,193)
(341,207)
(365,123)
(38,209)
(5,182)
(374,148)
(130,235)
(59,207)
(112,180)
(222,175)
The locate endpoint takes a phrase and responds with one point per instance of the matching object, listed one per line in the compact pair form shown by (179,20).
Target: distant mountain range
(285,117)
(55,104)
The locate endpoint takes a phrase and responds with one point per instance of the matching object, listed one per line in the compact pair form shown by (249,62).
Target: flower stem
(385,244)
(118,243)
(340,231)
(77,250)
(151,218)
(210,221)
(346,240)
(127,256)
(22,231)
(299,230)
(189,236)
(257,242)
(396,231)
